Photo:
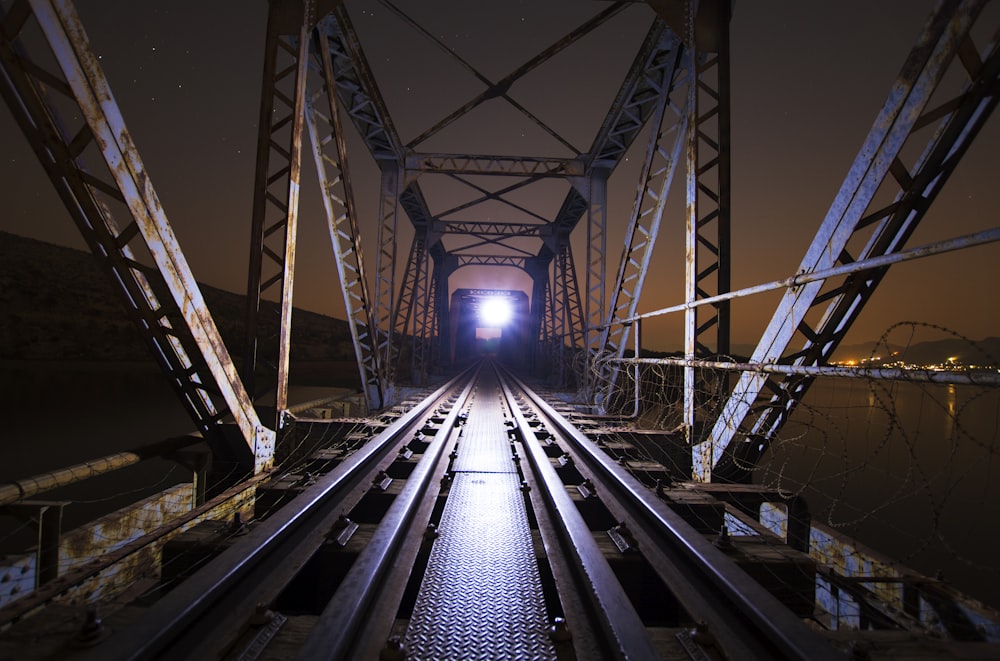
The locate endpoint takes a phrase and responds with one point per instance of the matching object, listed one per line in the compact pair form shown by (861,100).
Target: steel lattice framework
(317,82)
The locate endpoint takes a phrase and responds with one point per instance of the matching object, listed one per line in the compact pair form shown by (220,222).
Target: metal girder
(492,260)
(566,294)
(500,88)
(597,266)
(409,295)
(330,153)
(517,166)
(385,272)
(425,326)
(540,324)
(707,217)
(361,100)
(635,102)
(658,169)
(482,228)
(76,129)
(358,92)
(743,431)
(443,268)
(276,194)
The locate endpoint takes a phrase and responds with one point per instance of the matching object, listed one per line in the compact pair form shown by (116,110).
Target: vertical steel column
(385,266)
(326,130)
(644,224)
(443,268)
(597,262)
(75,127)
(850,222)
(408,293)
(426,323)
(567,293)
(276,188)
(707,245)
(690,218)
(540,329)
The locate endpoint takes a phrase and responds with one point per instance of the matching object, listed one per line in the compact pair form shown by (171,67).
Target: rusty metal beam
(91,159)
(663,153)
(743,432)
(330,154)
(276,194)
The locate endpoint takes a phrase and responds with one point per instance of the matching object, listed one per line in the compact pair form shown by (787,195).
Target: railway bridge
(501,493)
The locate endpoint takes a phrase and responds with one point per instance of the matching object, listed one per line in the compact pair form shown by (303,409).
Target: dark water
(59,414)
(910,470)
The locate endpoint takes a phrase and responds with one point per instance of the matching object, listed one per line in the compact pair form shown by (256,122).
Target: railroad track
(479,524)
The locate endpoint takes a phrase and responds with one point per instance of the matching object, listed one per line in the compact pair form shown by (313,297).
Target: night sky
(808,80)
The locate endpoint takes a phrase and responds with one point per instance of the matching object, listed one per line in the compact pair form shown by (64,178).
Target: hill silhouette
(56,304)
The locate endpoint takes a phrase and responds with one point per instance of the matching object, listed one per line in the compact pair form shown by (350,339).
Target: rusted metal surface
(37,484)
(30,92)
(92,570)
(662,70)
(326,134)
(495,165)
(276,193)
(880,231)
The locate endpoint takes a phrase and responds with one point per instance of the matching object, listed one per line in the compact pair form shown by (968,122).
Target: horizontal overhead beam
(517,166)
(490,228)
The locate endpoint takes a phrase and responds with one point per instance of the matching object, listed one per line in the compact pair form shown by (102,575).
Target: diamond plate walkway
(481,596)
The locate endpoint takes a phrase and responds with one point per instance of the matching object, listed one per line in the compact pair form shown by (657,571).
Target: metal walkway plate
(484,446)
(481,596)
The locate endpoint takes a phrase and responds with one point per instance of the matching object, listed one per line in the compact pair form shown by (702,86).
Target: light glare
(494,312)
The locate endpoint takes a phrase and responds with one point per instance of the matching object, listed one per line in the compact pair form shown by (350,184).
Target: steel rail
(745,620)
(625,634)
(200,617)
(335,633)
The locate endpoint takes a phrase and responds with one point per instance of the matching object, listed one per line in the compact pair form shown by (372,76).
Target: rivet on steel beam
(559,632)
(393,650)
(724,541)
(93,631)
(431,532)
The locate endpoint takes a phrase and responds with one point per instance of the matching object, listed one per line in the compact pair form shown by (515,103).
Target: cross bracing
(322,88)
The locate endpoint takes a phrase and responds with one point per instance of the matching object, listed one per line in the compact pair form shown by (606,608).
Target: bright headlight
(494,312)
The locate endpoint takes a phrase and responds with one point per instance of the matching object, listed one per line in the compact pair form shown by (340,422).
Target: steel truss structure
(760,404)
(317,81)
(64,106)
